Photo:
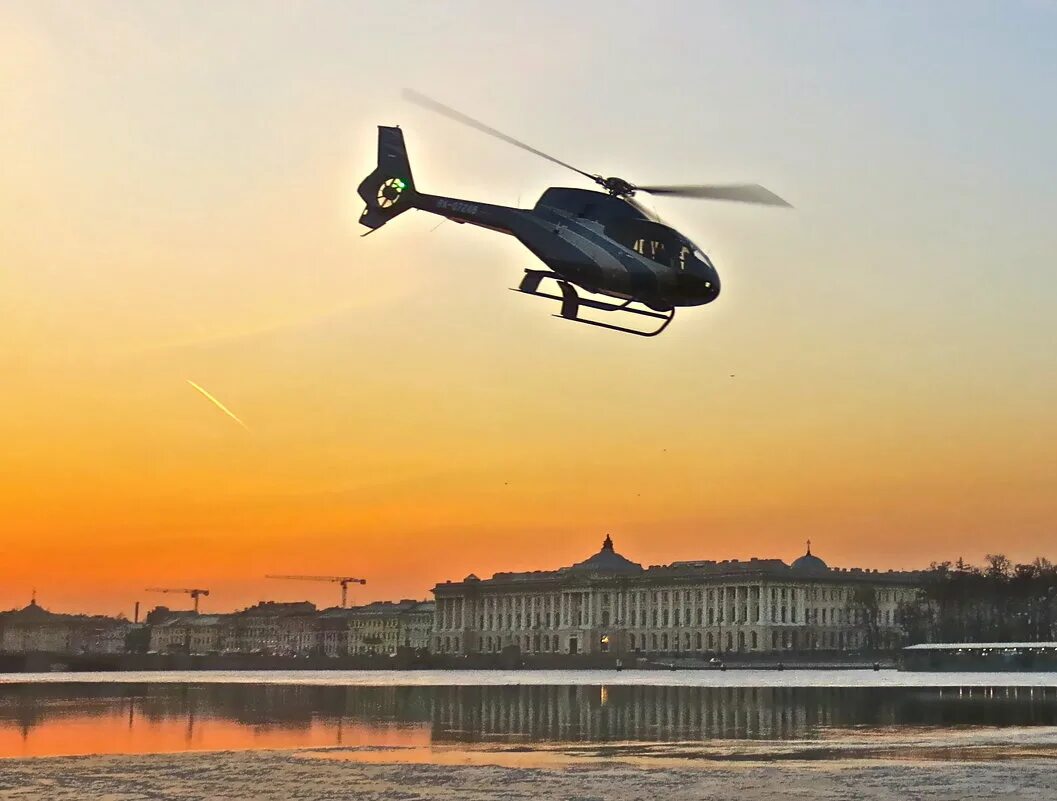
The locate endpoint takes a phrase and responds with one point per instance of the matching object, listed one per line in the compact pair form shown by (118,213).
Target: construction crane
(193,593)
(344,581)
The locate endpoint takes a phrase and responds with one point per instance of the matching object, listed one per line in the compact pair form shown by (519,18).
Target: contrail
(218,404)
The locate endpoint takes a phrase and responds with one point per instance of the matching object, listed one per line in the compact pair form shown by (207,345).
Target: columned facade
(608,603)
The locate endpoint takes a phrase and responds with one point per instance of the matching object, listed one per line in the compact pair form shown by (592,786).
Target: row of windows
(544,613)
(641,598)
(546,643)
(741,641)
(677,617)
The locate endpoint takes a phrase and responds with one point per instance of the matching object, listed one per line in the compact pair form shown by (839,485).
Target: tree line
(998,602)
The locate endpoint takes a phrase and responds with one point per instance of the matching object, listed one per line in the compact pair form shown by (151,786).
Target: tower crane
(194,593)
(344,581)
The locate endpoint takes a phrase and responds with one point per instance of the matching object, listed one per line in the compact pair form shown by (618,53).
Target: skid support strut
(572,303)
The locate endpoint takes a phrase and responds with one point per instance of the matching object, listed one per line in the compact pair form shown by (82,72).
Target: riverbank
(406,659)
(322,775)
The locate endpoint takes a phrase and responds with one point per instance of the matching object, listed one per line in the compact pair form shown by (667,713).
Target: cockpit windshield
(656,242)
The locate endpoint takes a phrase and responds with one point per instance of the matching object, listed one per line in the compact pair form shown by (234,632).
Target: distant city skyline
(329,596)
(178,204)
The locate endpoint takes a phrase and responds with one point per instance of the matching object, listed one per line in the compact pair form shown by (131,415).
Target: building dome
(809,563)
(607,560)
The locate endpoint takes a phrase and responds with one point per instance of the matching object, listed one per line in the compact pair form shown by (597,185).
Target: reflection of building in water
(609,603)
(74,714)
(627,713)
(289,705)
(35,629)
(514,713)
(599,714)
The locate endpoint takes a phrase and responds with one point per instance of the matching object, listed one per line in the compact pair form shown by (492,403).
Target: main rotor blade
(743,193)
(458,116)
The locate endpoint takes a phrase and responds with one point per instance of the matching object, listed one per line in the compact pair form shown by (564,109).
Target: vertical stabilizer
(390,189)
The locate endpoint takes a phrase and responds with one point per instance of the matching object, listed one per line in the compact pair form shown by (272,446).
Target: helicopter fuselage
(601,242)
(598,242)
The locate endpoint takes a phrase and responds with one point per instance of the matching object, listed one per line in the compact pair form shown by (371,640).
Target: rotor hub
(617,187)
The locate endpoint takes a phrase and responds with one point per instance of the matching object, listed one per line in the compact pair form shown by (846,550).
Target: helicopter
(603,242)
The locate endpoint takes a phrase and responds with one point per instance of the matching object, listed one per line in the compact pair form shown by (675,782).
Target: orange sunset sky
(177,203)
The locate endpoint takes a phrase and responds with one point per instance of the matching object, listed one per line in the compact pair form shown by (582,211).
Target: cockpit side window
(649,241)
(654,249)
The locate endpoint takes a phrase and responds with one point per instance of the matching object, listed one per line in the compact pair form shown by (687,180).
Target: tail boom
(390,190)
(485,215)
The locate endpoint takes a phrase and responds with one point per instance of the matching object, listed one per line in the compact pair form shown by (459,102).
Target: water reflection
(38,719)
(594,714)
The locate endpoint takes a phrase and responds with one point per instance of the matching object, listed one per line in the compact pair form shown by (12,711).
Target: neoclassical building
(33,628)
(607,603)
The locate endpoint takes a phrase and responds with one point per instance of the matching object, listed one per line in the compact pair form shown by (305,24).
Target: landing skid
(572,302)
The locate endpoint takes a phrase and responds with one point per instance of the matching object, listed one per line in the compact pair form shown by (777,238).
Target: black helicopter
(603,242)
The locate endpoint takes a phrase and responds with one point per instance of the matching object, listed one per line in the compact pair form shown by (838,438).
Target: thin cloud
(218,404)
